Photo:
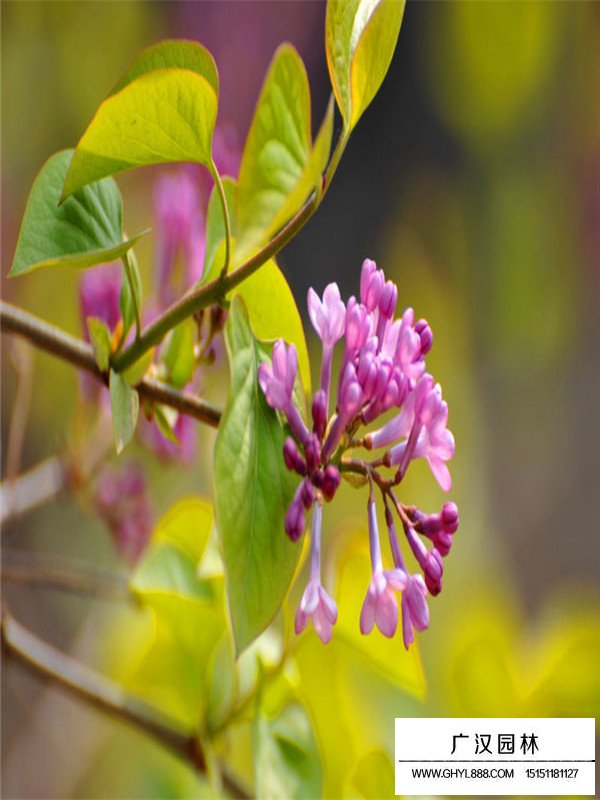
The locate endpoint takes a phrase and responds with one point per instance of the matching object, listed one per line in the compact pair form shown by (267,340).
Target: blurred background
(474,181)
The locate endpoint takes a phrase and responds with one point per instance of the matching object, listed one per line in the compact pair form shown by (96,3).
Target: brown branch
(112,699)
(77,352)
(54,572)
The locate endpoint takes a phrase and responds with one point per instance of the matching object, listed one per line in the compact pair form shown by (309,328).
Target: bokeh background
(474,181)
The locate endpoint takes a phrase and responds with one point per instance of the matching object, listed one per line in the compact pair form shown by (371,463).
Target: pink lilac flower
(328,319)
(277,382)
(380,606)
(382,367)
(316,604)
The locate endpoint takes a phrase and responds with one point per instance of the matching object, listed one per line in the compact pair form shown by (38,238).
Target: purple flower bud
(327,316)
(442,542)
(351,395)
(367,373)
(312,451)
(330,481)
(358,325)
(388,300)
(433,570)
(425,334)
(450,517)
(371,284)
(308,494)
(318,477)
(291,455)
(438,527)
(319,413)
(295,519)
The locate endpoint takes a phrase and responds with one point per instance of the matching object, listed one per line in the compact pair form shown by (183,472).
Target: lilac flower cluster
(382,368)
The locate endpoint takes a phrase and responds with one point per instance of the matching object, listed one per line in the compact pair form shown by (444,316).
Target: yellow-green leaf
(162,116)
(274,314)
(276,150)
(172,53)
(360,38)
(311,175)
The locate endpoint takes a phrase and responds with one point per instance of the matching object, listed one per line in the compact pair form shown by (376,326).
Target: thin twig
(112,699)
(77,352)
(213,292)
(21,357)
(54,572)
(32,488)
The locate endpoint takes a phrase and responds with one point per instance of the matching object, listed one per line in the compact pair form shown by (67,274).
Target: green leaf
(276,150)
(166,419)
(162,116)
(274,314)
(252,490)
(172,53)
(215,229)
(128,301)
(167,569)
(287,764)
(124,402)
(311,175)
(187,525)
(279,318)
(221,681)
(100,338)
(134,374)
(188,611)
(179,354)
(84,231)
(360,39)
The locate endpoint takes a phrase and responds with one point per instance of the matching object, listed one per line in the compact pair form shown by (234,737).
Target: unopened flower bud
(371,284)
(330,481)
(307,494)
(442,542)
(358,325)
(295,519)
(291,455)
(312,451)
(319,413)
(450,517)
(425,334)
(433,569)
(388,299)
